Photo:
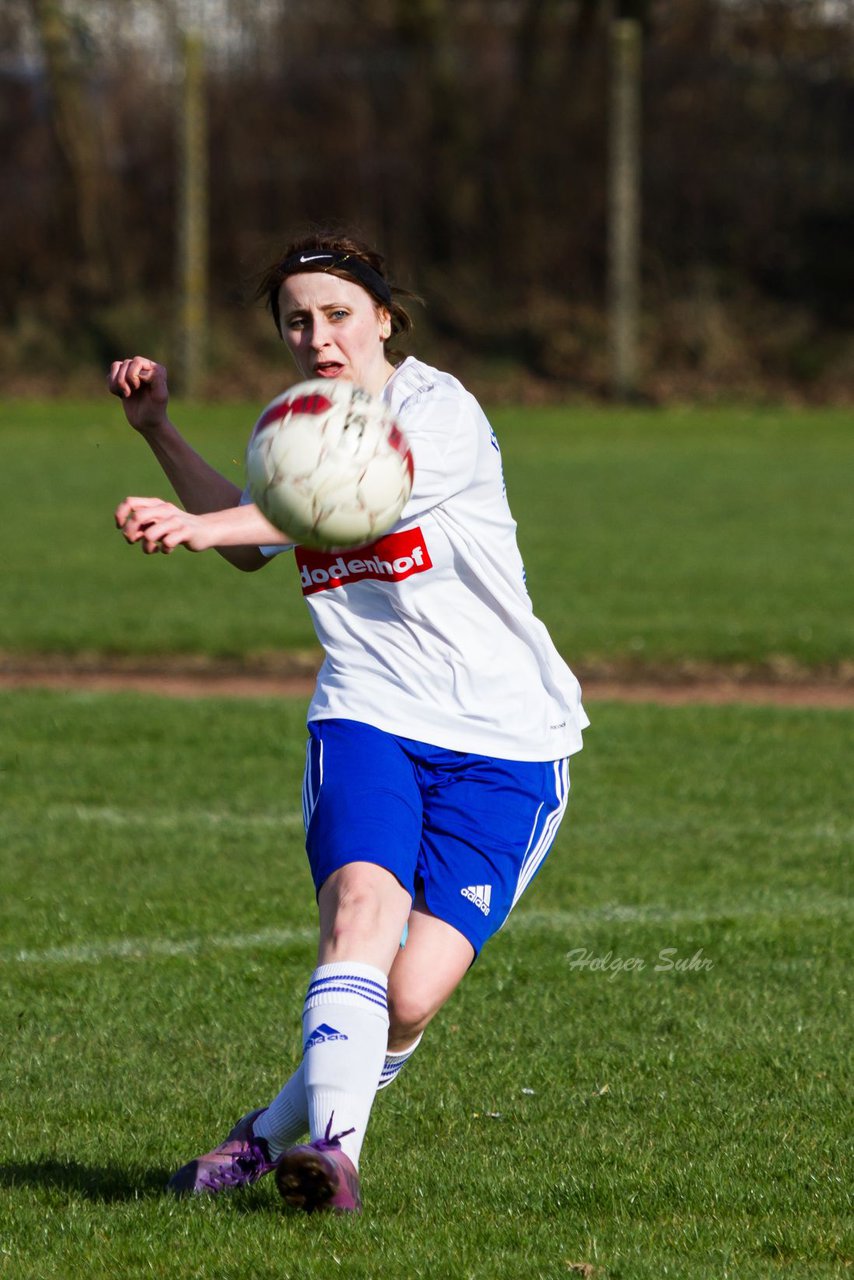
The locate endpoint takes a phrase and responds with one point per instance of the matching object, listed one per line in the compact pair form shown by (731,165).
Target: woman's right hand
(161,526)
(141,386)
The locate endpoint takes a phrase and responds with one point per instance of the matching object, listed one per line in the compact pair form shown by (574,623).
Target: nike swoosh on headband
(361,271)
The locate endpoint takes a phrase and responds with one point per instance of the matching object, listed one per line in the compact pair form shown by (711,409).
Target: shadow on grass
(267,1201)
(103,1183)
(111,1184)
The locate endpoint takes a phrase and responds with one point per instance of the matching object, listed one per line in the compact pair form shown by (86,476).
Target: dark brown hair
(333,242)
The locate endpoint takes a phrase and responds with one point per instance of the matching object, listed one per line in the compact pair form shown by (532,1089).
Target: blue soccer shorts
(469,831)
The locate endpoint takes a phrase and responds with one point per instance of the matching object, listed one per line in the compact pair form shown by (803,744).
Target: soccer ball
(328,465)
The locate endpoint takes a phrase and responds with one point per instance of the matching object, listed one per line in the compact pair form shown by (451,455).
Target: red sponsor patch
(389,559)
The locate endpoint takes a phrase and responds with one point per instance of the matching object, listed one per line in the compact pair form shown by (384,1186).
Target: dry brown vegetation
(469,138)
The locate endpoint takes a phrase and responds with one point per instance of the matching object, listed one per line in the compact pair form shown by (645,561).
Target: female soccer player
(439,733)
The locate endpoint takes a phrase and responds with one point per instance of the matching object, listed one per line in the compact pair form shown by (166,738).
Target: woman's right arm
(142,387)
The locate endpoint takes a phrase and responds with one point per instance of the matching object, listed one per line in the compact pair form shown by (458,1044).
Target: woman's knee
(351,908)
(424,975)
(361,906)
(408,1013)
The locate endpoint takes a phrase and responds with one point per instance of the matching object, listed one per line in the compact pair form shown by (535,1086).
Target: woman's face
(334,329)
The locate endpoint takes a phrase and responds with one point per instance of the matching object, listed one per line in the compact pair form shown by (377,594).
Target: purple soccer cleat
(240,1160)
(319,1176)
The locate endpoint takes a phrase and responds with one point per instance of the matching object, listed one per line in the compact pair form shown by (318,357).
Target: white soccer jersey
(429,632)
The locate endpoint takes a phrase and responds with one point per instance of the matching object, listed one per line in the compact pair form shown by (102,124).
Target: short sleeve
(443,433)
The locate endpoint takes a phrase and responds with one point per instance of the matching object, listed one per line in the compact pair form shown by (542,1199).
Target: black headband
(308,260)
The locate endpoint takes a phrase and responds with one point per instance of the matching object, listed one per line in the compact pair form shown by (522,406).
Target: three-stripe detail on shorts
(543,831)
(312,778)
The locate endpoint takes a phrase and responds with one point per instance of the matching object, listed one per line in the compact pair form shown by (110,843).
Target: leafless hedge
(469,139)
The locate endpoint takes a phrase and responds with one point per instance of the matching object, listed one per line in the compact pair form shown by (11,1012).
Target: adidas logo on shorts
(480,895)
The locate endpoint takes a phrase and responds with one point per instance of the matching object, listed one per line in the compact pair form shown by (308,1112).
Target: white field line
(770,909)
(169,819)
(156,948)
(162,819)
(546,921)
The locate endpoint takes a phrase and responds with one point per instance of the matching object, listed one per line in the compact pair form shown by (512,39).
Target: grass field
(646,1120)
(720,534)
(646,1072)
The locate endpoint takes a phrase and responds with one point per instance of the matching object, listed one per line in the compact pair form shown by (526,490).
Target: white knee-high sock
(345,1034)
(286,1119)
